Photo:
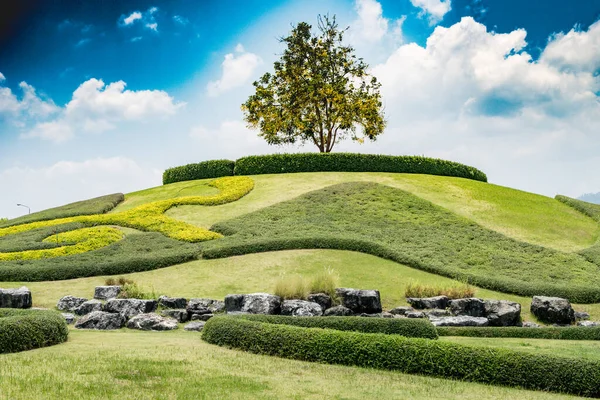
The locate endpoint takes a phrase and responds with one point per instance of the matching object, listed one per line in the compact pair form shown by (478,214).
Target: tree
(320,92)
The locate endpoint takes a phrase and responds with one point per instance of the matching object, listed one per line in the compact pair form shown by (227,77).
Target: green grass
(129,364)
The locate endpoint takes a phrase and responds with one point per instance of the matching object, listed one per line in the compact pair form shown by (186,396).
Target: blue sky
(99,97)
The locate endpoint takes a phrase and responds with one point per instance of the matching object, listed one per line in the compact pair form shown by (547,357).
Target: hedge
(203,170)
(408,355)
(22,330)
(390,326)
(353,162)
(563,333)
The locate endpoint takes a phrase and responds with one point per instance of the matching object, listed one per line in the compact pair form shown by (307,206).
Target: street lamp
(23,205)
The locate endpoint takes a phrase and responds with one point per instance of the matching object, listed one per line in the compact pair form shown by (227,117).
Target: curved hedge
(564,333)
(408,355)
(409,327)
(202,170)
(22,330)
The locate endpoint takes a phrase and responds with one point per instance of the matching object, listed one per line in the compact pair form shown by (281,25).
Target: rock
(69,318)
(552,310)
(106,292)
(502,312)
(151,322)
(470,306)
(234,302)
(301,308)
(428,302)
(530,325)
(360,301)
(461,320)
(88,307)
(130,307)
(437,312)
(377,315)
(69,303)
(338,311)
(100,320)
(172,302)
(180,315)
(203,317)
(589,324)
(581,316)
(322,299)
(401,310)
(15,298)
(205,306)
(415,314)
(386,314)
(261,303)
(195,326)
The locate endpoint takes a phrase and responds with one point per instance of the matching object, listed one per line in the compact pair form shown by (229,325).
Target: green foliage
(415,289)
(203,170)
(132,290)
(396,225)
(34,239)
(353,162)
(98,205)
(555,333)
(325,282)
(291,287)
(320,92)
(409,327)
(135,253)
(590,209)
(408,355)
(22,330)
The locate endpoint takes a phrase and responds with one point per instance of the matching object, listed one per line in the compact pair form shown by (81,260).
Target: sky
(101,97)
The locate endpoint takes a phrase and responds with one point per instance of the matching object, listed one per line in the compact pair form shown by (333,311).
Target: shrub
(22,330)
(408,355)
(120,281)
(131,290)
(563,333)
(325,282)
(414,289)
(351,162)
(203,170)
(291,287)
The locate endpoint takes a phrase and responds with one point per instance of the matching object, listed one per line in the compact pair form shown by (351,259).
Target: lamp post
(23,205)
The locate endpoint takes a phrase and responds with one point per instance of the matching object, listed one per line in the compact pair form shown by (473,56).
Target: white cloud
(231,139)
(82,42)
(2,78)
(576,51)
(434,9)
(56,131)
(152,26)
(370,24)
(30,104)
(135,39)
(180,20)
(134,16)
(146,17)
(237,69)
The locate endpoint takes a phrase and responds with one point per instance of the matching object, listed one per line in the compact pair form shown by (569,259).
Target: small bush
(120,281)
(131,290)
(325,282)
(291,287)
(563,333)
(22,330)
(203,170)
(414,289)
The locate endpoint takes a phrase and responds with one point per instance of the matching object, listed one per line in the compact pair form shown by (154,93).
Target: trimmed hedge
(202,170)
(22,330)
(565,333)
(353,162)
(390,326)
(408,355)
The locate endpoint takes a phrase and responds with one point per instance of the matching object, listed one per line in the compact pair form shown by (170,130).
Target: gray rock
(530,325)
(360,301)
(172,302)
(234,302)
(589,324)
(470,306)
(461,320)
(180,315)
(428,302)
(203,317)
(376,315)
(130,307)
(106,292)
(322,299)
(338,311)
(581,316)
(88,307)
(100,320)
(205,306)
(70,303)
(502,312)
(195,326)
(69,318)
(552,310)
(401,310)
(151,322)
(437,312)
(15,298)
(386,314)
(301,308)
(261,303)
(415,314)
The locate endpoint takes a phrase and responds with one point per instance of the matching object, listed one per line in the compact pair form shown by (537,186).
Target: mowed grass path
(129,364)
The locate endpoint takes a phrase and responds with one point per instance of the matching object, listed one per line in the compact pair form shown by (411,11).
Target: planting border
(554,333)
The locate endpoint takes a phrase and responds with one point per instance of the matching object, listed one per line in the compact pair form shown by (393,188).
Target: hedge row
(565,333)
(34,239)
(590,209)
(22,330)
(408,355)
(390,326)
(203,170)
(321,162)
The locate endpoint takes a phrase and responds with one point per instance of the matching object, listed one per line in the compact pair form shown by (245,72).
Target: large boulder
(437,312)
(402,310)
(202,317)
(69,303)
(581,316)
(88,307)
(552,310)
(470,306)
(234,302)
(421,303)
(461,320)
(204,306)
(301,308)
(130,307)
(360,301)
(338,311)
(181,315)
(106,292)
(15,298)
(151,322)
(101,320)
(172,302)
(322,299)
(255,303)
(195,326)
(502,312)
